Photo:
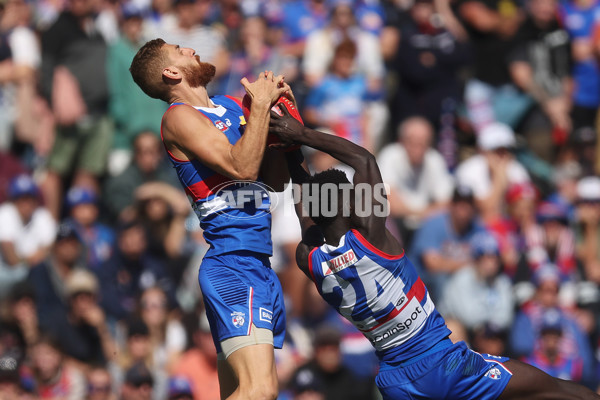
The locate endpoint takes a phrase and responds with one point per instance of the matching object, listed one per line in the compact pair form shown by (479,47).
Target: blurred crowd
(483,117)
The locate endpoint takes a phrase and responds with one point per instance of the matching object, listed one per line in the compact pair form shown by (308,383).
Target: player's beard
(199,75)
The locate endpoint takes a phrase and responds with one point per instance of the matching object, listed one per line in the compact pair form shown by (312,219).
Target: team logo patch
(238,318)
(265,315)
(493,373)
(223,126)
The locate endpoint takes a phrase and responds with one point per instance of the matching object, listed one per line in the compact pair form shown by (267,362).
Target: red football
(274,139)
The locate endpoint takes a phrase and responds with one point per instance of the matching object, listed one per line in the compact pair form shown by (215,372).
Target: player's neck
(334,232)
(197,97)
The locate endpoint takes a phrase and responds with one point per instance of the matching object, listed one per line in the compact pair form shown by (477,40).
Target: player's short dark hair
(316,181)
(146,69)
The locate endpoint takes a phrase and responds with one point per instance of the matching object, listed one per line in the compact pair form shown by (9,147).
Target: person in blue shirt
(442,245)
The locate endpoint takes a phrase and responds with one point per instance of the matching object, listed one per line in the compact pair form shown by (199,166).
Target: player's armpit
(189,133)
(302,254)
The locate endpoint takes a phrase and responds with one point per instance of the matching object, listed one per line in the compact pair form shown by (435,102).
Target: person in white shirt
(490,172)
(26,232)
(420,183)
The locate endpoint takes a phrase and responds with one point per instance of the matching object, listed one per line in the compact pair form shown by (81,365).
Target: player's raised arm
(189,132)
(361,160)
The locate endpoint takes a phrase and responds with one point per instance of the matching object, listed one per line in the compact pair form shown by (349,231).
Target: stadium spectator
(162,210)
(129,272)
(548,356)
(98,239)
(442,244)
(27,231)
(192,30)
(167,334)
(426,57)
(132,111)
(420,184)
(99,385)
(54,377)
(297,20)
(490,172)
(148,166)
(254,55)
(326,371)
(73,80)
(513,227)
(320,61)
(180,389)
(490,95)
(22,312)
(22,110)
(139,384)
(539,65)
(48,278)
(338,102)
(81,329)
(525,332)
(579,19)
(480,293)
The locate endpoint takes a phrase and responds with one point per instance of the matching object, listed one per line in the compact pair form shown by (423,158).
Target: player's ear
(172,73)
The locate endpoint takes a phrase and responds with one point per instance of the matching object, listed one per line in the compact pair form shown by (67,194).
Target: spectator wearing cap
(99,384)
(198,364)
(489,339)
(480,293)
(98,239)
(180,389)
(10,379)
(138,349)
(132,111)
(81,330)
(493,170)
(139,383)
(148,165)
(48,278)
(55,378)
(131,270)
(27,230)
(325,372)
(588,226)
(526,329)
(420,184)
(552,241)
(442,244)
(521,200)
(548,356)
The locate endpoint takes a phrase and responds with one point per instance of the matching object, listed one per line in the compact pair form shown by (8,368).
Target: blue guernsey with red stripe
(234,215)
(381,294)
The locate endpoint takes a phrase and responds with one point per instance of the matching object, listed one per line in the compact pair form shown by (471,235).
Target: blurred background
(483,115)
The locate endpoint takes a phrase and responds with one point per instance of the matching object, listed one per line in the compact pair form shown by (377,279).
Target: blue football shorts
(452,372)
(241,289)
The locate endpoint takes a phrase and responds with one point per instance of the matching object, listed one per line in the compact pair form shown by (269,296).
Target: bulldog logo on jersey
(238,318)
(493,373)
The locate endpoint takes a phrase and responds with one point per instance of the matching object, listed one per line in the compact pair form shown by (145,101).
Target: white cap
(495,136)
(589,188)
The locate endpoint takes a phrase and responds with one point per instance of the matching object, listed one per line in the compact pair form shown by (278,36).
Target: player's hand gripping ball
(273,139)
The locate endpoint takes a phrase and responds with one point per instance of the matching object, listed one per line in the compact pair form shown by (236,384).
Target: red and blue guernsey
(381,294)
(234,215)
